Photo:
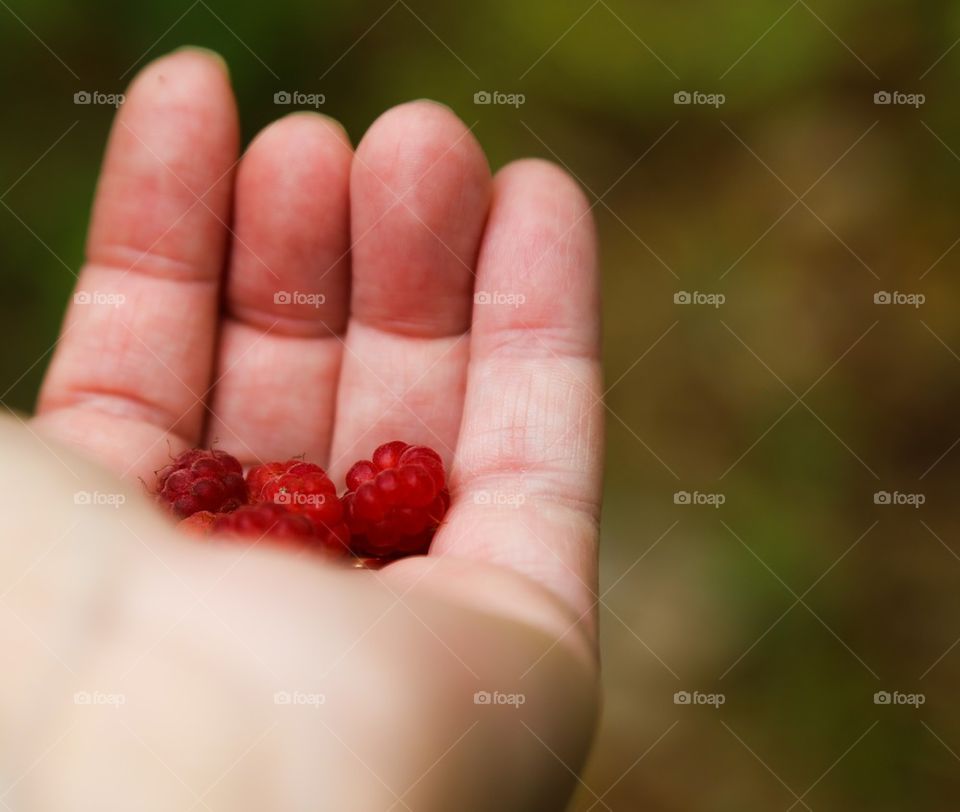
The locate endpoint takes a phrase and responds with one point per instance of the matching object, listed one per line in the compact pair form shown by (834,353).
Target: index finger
(134,361)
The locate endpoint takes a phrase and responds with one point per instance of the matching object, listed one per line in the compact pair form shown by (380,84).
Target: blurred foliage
(699,199)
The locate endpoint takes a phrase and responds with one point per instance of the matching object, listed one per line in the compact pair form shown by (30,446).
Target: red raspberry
(259,475)
(396,500)
(199,524)
(302,488)
(259,521)
(202,480)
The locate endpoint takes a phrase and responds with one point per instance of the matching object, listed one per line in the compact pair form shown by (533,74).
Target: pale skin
(199,639)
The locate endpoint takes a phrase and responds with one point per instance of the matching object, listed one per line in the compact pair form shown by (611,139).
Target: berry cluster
(395,501)
(201,480)
(392,507)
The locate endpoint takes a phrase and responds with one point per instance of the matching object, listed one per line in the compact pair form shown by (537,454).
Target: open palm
(310,300)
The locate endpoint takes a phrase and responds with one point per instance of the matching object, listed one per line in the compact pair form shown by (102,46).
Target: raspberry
(259,475)
(305,489)
(199,524)
(258,521)
(396,500)
(202,480)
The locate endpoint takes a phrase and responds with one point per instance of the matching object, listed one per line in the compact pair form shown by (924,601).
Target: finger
(286,293)
(134,360)
(527,479)
(419,194)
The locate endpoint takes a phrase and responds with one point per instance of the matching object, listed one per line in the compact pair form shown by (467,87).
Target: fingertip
(304,131)
(175,139)
(204,53)
(546,182)
(419,195)
(182,96)
(328,122)
(539,248)
(408,139)
(291,222)
(188,72)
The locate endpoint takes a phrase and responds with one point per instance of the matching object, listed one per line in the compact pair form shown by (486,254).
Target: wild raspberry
(302,488)
(396,500)
(199,524)
(202,480)
(279,523)
(259,475)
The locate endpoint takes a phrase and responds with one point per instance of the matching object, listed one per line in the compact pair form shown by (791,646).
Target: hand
(185,337)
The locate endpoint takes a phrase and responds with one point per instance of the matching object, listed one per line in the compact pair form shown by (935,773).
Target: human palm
(312,300)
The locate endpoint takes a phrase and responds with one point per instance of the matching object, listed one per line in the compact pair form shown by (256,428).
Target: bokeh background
(796,400)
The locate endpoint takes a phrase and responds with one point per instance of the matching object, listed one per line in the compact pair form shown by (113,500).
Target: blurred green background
(797,399)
